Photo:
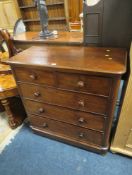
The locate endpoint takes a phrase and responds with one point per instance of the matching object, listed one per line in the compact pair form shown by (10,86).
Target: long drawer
(66,130)
(74,117)
(64,98)
(78,82)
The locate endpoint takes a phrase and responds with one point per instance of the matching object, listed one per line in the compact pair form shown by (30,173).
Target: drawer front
(35,76)
(74,117)
(67,130)
(76,82)
(64,98)
(85,83)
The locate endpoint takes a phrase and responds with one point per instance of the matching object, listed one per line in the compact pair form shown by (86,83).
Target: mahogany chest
(70,92)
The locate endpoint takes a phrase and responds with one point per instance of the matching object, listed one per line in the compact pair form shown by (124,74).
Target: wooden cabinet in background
(60,12)
(108,23)
(57,11)
(9,13)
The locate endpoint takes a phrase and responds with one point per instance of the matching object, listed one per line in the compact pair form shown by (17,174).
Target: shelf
(50,19)
(55,3)
(27,6)
(33,6)
(31,20)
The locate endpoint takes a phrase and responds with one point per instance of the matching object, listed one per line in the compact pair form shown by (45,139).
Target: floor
(30,154)
(6,133)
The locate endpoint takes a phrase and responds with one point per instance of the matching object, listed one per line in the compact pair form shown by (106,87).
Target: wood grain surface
(93,59)
(63,37)
(70,92)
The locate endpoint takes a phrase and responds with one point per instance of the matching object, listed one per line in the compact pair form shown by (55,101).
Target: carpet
(6,133)
(30,154)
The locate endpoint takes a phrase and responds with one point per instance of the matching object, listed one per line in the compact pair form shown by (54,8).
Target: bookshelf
(57,12)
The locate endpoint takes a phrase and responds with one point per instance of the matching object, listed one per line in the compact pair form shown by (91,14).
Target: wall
(9,13)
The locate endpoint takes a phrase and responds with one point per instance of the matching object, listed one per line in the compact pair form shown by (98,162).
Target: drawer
(66,130)
(78,101)
(74,117)
(85,83)
(35,76)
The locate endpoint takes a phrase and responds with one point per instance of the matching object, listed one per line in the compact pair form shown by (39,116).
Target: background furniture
(28,39)
(122,141)
(57,11)
(108,23)
(7,50)
(4,69)
(70,94)
(63,14)
(7,39)
(8,89)
(9,13)
(19,27)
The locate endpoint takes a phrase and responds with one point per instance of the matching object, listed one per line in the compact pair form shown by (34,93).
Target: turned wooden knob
(37,94)
(81,120)
(81,135)
(80,84)
(45,125)
(41,110)
(81,103)
(33,77)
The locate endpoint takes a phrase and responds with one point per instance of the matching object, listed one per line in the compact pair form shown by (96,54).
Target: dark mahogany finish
(79,118)
(70,92)
(28,39)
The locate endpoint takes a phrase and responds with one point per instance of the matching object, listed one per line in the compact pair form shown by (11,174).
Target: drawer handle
(33,77)
(41,110)
(45,125)
(81,135)
(81,103)
(80,84)
(37,94)
(81,120)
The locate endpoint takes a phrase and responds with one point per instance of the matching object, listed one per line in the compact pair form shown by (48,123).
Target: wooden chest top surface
(91,59)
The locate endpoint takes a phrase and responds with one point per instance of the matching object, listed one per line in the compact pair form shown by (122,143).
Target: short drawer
(74,117)
(85,83)
(78,101)
(35,76)
(66,130)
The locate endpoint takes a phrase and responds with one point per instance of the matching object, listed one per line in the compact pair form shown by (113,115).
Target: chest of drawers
(69,93)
